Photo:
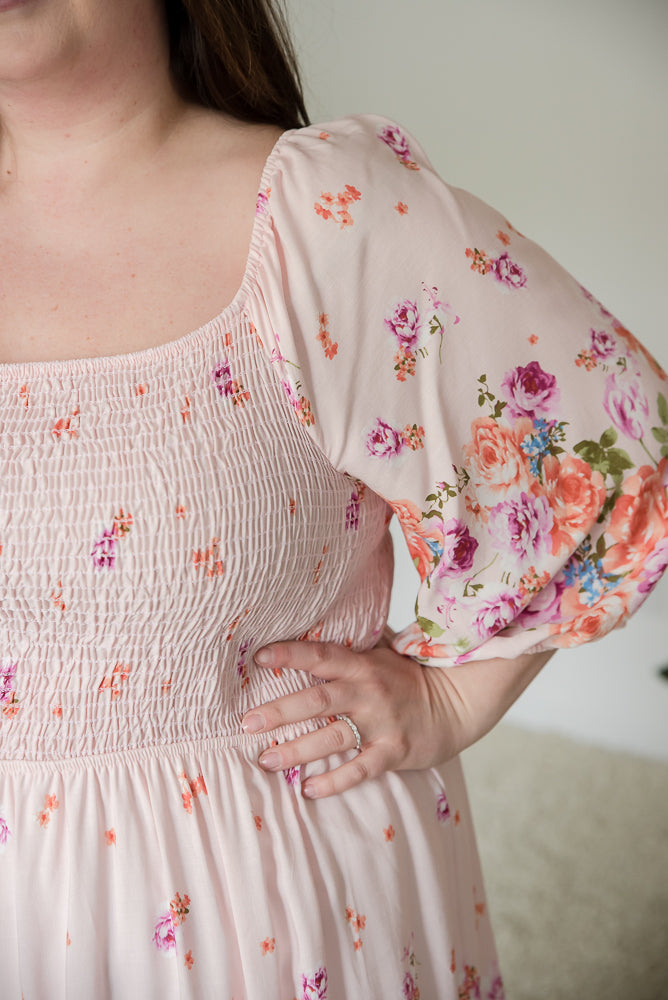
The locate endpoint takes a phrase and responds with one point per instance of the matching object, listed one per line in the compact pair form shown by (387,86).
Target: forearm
(481,692)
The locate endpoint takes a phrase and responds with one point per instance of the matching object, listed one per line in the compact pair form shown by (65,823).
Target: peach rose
(639,520)
(586,623)
(419,533)
(576,494)
(496,460)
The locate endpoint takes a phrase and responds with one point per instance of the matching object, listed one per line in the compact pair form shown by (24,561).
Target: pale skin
(126,215)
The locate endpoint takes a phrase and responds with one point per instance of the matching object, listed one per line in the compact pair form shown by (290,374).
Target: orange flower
(533,339)
(189,960)
(586,624)
(496,459)
(110,836)
(268,946)
(44,817)
(258,822)
(417,533)
(389,833)
(637,347)
(401,207)
(638,520)
(504,237)
(51,802)
(187,802)
(357,945)
(576,494)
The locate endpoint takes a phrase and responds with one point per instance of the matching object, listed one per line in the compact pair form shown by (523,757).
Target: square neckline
(178,346)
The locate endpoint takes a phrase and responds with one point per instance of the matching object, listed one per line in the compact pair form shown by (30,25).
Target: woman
(181,815)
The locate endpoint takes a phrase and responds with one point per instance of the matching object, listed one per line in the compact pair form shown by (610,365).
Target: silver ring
(356,732)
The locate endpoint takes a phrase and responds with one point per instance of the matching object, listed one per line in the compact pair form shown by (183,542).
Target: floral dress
(396,347)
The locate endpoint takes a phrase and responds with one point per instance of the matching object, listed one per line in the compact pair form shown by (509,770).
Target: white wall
(554,112)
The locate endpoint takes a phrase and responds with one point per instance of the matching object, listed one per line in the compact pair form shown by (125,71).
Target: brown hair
(236,56)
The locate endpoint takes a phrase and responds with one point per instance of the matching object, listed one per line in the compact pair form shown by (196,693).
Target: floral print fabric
(516,427)
(396,347)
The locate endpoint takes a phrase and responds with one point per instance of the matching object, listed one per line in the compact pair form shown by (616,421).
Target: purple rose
(495,613)
(221,376)
(544,606)
(507,272)
(442,808)
(7,675)
(409,989)
(104,549)
(383,441)
(459,548)
(5,832)
(522,526)
(396,140)
(405,324)
(261,204)
(654,567)
(626,403)
(496,990)
(530,391)
(291,775)
(164,937)
(315,987)
(603,344)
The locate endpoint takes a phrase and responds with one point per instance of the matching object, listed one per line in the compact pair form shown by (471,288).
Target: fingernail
(265,657)
(309,791)
(270,759)
(253,723)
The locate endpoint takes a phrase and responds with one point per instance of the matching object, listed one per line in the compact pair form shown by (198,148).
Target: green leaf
(601,547)
(664,451)
(483,378)
(661,434)
(481,400)
(590,452)
(618,460)
(430,628)
(608,437)
(663,408)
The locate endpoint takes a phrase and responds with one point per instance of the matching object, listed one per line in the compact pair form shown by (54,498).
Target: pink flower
(221,376)
(315,987)
(507,272)
(496,990)
(405,324)
(603,344)
(5,832)
(654,567)
(522,526)
(495,613)
(396,140)
(459,548)
(409,989)
(291,775)
(7,675)
(164,936)
(384,441)
(626,403)
(104,549)
(261,204)
(544,606)
(530,391)
(442,808)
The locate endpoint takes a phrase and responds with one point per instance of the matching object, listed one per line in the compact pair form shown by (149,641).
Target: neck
(97,111)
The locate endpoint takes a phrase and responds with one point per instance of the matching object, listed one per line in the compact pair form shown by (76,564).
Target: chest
(119,279)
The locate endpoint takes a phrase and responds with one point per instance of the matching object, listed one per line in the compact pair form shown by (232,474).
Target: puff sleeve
(516,428)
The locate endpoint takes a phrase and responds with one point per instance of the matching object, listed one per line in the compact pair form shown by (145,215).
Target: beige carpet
(574,846)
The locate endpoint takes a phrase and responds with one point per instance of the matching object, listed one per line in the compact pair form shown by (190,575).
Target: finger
(323,659)
(317,701)
(335,738)
(370,763)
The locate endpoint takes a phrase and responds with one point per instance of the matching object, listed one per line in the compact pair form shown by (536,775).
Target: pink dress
(396,347)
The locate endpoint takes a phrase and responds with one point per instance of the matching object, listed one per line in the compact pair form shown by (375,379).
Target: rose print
(496,990)
(459,548)
(530,391)
(104,549)
(442,808)
(404,324)
(314,987)
(7,675)
(603,344)
(544,606)
(576,493)
(409,987)
(5,833)
(330,346)
(626,403)
(495,613)
(521,527)
(393,137)
(384,441)
(164,937)
(228,387)
(507,272)
(638,519)
(262,202)
(179,908)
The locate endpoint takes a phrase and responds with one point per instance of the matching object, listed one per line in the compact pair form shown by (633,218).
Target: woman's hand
(408,716)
